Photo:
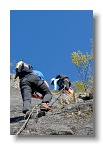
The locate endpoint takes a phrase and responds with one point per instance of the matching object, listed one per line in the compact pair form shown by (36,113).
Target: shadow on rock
(16,119)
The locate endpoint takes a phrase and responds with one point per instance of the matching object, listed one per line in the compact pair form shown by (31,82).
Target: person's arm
(55,84)
(46,84)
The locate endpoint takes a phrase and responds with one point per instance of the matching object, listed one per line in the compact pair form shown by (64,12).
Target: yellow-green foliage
(80,60)
(78,86)
(82,63)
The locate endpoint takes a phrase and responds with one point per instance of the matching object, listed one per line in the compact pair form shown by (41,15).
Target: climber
(60,81)
(29,83)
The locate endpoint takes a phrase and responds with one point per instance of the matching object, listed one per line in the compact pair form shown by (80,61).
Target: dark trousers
(30,84)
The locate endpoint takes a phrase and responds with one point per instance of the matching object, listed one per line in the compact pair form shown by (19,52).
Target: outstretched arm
(56,87)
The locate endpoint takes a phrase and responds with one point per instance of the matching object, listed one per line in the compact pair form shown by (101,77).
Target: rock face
(74,119)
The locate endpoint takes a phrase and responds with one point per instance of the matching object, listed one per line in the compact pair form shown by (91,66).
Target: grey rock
(74,119)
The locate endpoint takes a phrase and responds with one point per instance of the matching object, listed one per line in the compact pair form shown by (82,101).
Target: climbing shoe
(44,107)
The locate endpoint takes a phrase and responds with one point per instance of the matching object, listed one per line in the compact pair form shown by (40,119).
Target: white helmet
(19,64)
(52,80)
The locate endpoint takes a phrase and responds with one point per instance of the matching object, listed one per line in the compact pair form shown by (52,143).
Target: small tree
(82,63)
(78,86)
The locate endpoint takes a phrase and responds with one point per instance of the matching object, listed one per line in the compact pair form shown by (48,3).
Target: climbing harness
(36,107)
